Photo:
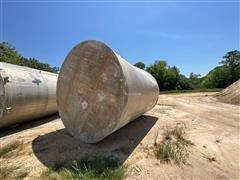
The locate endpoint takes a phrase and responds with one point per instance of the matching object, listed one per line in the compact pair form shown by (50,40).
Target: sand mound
(231,94)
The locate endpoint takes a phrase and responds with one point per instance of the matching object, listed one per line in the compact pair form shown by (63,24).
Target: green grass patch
(7,150)
(173,148)
(87,169)
(190,91)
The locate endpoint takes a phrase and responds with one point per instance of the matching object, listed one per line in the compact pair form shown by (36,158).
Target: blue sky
(193,35)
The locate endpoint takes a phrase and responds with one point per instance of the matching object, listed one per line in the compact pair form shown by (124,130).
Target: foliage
(10,55)
(140,65)
(223,76)
(219,77)
(184,83)
(87,169)
(168,78)
(195,80)
(232,60)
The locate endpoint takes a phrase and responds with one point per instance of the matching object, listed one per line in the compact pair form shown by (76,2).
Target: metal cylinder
(98,92)
(25,94)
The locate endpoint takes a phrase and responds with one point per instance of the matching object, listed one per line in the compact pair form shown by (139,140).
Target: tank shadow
(60,147)
(26,125)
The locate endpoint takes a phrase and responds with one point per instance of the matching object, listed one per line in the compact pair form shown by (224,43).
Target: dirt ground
(212,126)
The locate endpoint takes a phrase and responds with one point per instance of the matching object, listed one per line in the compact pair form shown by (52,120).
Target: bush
(173,148)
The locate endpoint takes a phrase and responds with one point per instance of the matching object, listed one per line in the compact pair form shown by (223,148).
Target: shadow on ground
(26,125)
(59,147)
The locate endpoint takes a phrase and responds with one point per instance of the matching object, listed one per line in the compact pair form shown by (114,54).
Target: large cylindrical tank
(98,92)
(25,94)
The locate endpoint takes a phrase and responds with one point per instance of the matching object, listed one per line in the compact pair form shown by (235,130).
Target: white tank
(25,94)
(98,92)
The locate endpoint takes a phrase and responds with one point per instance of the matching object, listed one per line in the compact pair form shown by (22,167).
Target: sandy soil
(47,142)
(231,94)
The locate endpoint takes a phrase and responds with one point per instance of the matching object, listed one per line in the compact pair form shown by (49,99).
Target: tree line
(9,54)
(170,78)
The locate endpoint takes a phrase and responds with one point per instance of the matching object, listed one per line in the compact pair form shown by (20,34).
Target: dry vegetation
(8,149)
(7,170)
(174,146)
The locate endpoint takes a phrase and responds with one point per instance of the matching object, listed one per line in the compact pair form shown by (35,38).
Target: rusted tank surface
(25,94)
(99,92)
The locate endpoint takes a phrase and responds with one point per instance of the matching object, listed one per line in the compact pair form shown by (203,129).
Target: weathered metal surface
(98,92)
(25,94)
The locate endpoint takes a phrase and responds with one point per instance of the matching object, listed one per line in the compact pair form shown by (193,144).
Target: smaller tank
(25,94)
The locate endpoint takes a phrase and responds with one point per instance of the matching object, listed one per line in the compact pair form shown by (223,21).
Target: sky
(192,35)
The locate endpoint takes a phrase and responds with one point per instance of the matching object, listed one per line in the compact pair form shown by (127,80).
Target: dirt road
(213,127)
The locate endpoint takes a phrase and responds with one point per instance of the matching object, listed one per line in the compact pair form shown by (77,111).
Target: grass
(7,171)
(6,150)
(173,148)
(86,169)
(190,91)
(11,172)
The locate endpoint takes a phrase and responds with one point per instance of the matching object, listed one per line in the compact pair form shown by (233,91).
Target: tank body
(25,94)
(98,92)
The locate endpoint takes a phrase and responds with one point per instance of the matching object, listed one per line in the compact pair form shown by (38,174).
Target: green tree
(158,72)
(140,65)
(172,78)
(168,78)
(184,82)
(195,80)
(9,54)
(232,60)
(219,77)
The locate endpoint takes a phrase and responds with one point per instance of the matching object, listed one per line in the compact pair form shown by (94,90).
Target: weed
(6,150)
(168,151)
(87,169)
(177,134)
(173,147)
